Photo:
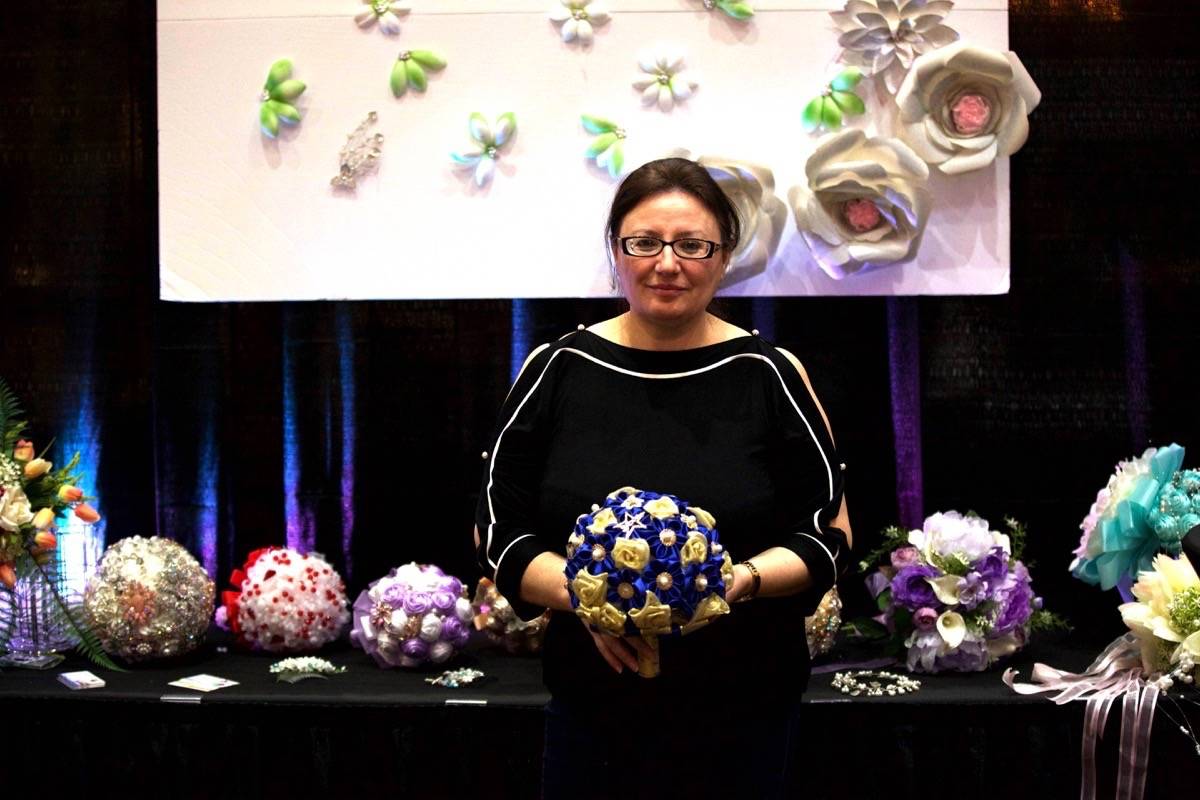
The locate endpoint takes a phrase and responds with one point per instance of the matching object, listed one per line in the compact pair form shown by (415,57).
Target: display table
(373,732)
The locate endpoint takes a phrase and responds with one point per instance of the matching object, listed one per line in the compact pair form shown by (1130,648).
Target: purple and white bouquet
(954,594)
(413,615)
(647,564)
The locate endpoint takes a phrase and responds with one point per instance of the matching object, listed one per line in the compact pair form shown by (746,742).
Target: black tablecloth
(387,732)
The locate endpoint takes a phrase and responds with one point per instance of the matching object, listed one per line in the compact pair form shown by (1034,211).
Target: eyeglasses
(641,246)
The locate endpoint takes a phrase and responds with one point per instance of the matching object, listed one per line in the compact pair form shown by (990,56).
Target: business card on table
(203,683)
(81,680)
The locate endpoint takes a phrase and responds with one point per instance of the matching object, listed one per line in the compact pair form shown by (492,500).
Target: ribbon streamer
(1116,673)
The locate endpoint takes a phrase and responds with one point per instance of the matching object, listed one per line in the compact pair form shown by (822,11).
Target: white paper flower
(578,18)
(482,158)
(751,189)
(883,37)
(15,509)
(386,12)
(963,106)
(866,202)
(665,82)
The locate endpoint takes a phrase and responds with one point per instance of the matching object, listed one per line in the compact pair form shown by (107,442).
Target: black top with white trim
(730,427)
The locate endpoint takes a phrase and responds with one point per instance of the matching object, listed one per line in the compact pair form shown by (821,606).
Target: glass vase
(32,619)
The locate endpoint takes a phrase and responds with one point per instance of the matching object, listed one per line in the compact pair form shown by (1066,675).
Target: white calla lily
(946,588)
(952,628)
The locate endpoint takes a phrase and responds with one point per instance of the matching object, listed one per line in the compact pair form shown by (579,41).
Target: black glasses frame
(712,247)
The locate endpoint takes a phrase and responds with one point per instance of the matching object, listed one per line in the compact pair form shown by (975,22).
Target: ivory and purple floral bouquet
(954,594)
(647,564)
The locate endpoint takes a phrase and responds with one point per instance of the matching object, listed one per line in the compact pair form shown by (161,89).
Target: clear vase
(32,619)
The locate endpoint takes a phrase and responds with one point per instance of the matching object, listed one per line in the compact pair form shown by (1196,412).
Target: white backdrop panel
(244,217)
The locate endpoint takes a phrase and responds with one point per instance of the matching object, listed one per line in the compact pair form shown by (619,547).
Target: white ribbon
(1116,673)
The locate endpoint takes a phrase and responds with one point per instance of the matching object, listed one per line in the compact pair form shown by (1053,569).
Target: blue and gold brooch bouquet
(647,564)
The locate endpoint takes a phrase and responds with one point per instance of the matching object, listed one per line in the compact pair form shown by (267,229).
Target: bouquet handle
(648,664)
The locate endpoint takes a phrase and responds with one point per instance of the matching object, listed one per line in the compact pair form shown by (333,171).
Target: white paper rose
(865,205)
(751,189)
(962,106)
(15,510)
(883,37)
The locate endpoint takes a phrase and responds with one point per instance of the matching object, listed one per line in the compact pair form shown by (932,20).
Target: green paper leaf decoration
(409,70)
(600,144)
(268,120)
(279,92)
(848,102)
(416,75)
(616,161)
(399,79)
(831,115)
(285,112)
(280,71)
(737,10)
(811,118)
(846,80)
(477,123)
(288,90)
(506,128)
(428,59)
(597,124)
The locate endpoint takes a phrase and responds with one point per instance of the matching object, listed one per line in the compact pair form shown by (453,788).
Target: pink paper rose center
(970,113)
(861,214)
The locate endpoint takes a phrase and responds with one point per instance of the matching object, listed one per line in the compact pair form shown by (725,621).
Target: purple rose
(906,556)
(910,589)
(417,603)
(925,618)
(451,628)
(993,566)
(1015,603)
(453,586)
(443,600)
(970,656)
(415,648)
(394,595)
(971,591)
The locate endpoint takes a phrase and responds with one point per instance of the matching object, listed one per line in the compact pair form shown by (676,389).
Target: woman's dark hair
(675,175)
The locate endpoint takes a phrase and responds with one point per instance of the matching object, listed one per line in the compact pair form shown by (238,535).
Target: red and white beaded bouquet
(284,602)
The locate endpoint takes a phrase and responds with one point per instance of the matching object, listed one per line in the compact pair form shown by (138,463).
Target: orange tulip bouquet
(33,496)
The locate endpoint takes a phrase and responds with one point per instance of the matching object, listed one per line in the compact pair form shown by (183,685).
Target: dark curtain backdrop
(355,428)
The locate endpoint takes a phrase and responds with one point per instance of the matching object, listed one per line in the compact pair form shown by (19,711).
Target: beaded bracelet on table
(874,683)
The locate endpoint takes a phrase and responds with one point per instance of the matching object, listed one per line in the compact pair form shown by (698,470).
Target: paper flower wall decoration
(409,70)
(837,99)
(489,141)
(883,37)
(385,12)
(962,106)
(751,189)
(608,148)
(578,18)
(733,8)
(278,93)
(866,202)
(665,82)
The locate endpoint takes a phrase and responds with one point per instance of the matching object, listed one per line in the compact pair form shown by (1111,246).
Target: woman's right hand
(620,651)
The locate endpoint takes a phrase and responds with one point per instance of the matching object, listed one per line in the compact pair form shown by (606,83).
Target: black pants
(677,750)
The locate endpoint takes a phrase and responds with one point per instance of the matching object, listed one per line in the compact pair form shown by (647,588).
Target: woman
(669,398)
